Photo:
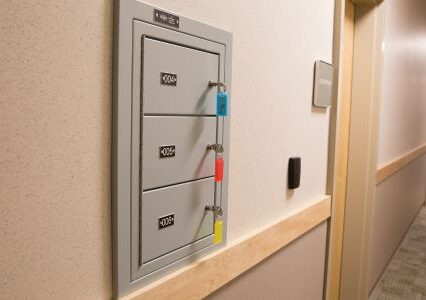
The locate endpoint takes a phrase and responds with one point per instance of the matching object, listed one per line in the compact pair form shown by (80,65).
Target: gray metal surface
(191,221)
(191,94)
(192,160)
(134,21)
(188,253)
(323,84)
(154,269)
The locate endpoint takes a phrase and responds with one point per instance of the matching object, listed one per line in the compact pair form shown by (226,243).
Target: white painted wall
(402,128)
(403,107)
(55,123)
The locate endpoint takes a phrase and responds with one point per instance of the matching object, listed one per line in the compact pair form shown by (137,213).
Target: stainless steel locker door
(189,93)
(185,139)
(186,203)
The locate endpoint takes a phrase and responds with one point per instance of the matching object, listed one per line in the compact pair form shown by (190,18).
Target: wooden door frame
(353,149)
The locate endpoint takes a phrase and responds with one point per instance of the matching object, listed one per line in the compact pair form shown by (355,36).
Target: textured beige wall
(55,119)
(275,46)
(402,128)
(295,273)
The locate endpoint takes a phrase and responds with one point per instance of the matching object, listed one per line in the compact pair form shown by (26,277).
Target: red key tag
(219,168)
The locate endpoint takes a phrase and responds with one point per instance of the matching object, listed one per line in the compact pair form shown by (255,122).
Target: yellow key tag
(218,229)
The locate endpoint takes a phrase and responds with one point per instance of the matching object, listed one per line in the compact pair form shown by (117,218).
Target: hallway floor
(405,276)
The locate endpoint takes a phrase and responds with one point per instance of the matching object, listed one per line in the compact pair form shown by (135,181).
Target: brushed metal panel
(190,137)
(193,69)
(191,221)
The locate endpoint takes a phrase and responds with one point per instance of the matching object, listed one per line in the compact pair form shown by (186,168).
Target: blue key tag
(222,104)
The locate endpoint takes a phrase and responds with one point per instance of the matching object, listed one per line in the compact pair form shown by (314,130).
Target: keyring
(219,84)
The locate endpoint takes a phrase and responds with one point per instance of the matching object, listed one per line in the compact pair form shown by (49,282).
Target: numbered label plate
(168,78)
(167,151)
(166,221)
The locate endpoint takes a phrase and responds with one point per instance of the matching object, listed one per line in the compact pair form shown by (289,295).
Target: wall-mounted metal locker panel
(146,131)
(175,216)
(159,217)
(174,149)
(175,79)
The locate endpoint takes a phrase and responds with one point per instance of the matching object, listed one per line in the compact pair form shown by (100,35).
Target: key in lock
(217,210)
(219,162)
(221,98)
(218,222)
(218,148)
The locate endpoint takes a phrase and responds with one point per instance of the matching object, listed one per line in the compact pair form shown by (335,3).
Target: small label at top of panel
(166,18)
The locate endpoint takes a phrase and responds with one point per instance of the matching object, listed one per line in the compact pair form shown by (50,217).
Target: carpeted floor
(405,276)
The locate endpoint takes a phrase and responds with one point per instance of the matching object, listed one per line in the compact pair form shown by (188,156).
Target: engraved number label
(167,151)
(166,221)
(168,78)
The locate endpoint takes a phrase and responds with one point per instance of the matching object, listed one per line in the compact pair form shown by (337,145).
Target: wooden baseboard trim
(203,277)
(389,169)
